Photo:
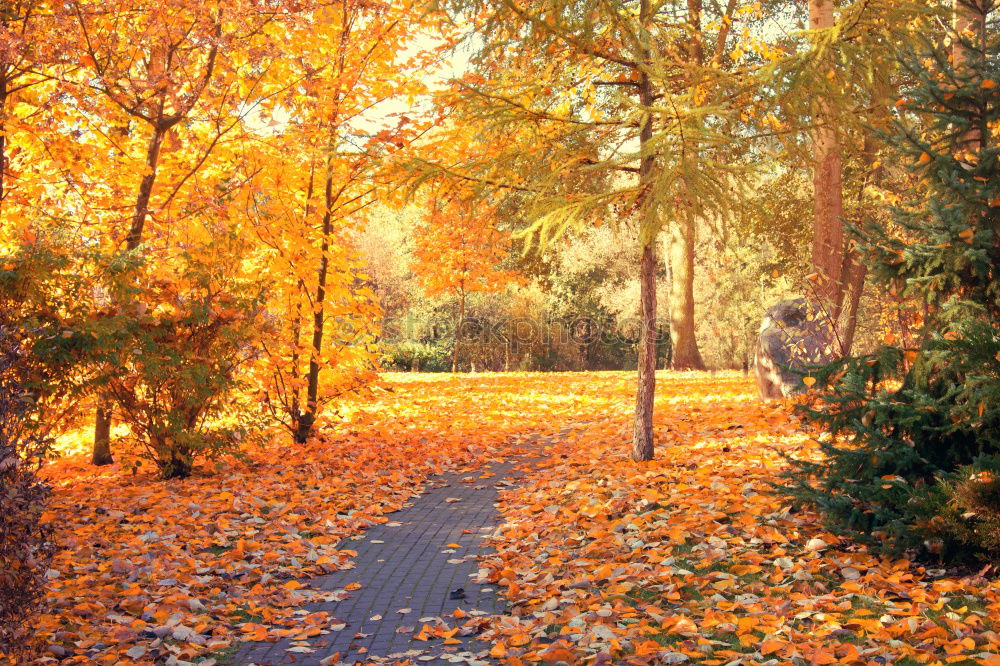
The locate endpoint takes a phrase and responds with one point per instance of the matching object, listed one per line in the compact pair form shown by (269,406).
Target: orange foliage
(459,248)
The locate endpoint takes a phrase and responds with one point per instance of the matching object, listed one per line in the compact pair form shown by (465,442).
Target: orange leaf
(771,645)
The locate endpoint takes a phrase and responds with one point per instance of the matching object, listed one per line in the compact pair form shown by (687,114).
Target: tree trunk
(854,272)
(458,329)
(968,19)
(682,332)
(855,284)
(642,432)
(134,237)
(101,454)
(102,424)
(682,234)
(177,463)
(642,436)
(3,138)
(828,204)
(308,418)
(294,411)
(969,24)
(295,408)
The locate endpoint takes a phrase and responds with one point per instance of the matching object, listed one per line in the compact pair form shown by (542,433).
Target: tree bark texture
(642,436)
(682,236)
(969,25)
(101,454)
(828,185)
(642,432)
(458,330)
(682,323)
(308,417)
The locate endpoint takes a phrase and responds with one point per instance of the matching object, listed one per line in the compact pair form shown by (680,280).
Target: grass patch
(225,656)
(243,614)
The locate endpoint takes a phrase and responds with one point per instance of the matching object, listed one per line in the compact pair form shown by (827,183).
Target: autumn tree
(319,177)
(36,167)
(623,119)
(173,80)
(458,251)
(19,71)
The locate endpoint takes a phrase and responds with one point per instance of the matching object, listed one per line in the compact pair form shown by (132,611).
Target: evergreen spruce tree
(914,461)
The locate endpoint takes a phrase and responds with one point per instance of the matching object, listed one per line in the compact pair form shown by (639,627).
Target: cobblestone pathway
(409,564)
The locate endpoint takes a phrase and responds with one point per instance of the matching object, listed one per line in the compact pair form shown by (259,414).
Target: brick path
(407,563)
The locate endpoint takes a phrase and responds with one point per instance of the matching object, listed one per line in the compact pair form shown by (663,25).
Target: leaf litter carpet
(596,560)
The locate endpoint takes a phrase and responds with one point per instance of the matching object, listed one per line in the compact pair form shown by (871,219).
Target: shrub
(165,340)
(25,542)
(173,361)
(46,290)
(418,356)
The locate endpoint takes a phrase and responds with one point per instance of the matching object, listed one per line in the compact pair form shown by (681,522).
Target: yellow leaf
(988,84)
(924,159)
(809,381)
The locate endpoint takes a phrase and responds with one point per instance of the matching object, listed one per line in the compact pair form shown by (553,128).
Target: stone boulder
(794,335)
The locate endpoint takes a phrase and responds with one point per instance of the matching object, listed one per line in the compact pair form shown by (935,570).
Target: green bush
(45,290)
(164,340)
(417,356)
(173,354)
(914,449)
(970,511)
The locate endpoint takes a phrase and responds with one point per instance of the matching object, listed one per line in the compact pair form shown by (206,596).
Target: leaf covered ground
(686,558)
(691,557)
